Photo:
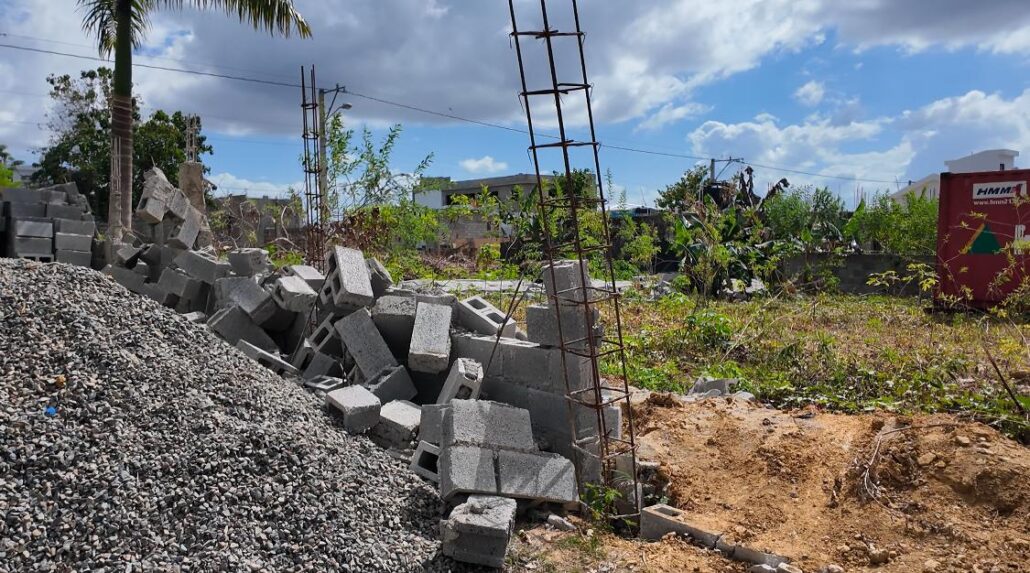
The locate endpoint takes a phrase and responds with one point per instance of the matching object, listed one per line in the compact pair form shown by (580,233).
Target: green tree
(7,165)
(906,227)
(119,26)
(79,149)
(811,218)
(683,193)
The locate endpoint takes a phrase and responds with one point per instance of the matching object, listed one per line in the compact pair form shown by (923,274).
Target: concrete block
(431,428)
(659,520)
(126,277)
(232,324)
(463,382)
(430,348)
(253,300)
(360,408)
(196,317)
(77,258)
(479,530)
(178,205)
(127,255)
(180,284)
(27,227)
(542,325)
(249,262)
(184,233)
(160,295)
(529,364)
(310,275)
(141,268)
(76,226)
(326,339)
(466,469)
(364,344)
(203,266)
(704,385)
(324,383)
(293,294)
(18,210)
(379,277)
(483,349)
(29,246)
(426,461)
(487,424)
(398,424)
(57,211)
(478,315)
(394,316)
(157,193)
(394,384)
(269,360)
(566,283)
(221,291)
(536,475)
(348,280)
(21,195)
(302,355)
(320,365)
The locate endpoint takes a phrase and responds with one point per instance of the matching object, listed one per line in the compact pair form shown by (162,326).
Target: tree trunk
(119,211)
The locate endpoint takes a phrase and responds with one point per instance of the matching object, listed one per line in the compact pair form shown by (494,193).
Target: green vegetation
(848,353)
(7,165)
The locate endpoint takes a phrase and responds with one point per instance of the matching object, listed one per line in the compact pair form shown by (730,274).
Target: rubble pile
(47,224)
(135,440)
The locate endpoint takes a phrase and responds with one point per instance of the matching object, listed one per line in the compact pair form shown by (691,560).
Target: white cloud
(810,94)
(485,164)
(671,113)
(229,184)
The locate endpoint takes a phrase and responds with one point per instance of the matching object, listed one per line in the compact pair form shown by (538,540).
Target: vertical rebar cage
(314,232)
(603,451)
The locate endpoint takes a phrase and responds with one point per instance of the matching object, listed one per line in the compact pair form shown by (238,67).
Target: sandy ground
(942,495)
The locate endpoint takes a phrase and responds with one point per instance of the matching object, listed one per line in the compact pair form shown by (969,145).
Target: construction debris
(47,224)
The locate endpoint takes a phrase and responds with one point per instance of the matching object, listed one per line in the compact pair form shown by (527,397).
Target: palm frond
(275,16)
(100,20)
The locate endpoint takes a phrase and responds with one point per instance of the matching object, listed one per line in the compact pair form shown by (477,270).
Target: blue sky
(858,96)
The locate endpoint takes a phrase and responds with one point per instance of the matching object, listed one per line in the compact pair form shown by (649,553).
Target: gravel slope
(170,450)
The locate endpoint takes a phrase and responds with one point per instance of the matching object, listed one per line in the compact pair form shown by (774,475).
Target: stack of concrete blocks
(47,224)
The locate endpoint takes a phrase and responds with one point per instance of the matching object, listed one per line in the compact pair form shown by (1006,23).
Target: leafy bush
(908,227)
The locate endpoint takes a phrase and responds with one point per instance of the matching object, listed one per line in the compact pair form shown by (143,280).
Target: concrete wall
(854,270)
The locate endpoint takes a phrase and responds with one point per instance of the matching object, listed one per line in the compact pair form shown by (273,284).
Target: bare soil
(928,492)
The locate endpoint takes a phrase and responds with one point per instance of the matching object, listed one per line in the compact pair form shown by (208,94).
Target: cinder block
(310,275)
(203,266)
(53,194)
(463,382)
(141,268)
(267,359)
(430,348)
(536,475)
(160,295)
(21,195)
(360,408)
(157,193)
(567,281)
(27,227)
(249,262)
(293,294)
(478,315)
(379,277)
(542,325)
(125,277)
(180,284)
(348,280)
(29,246)
(324,384)
(178,205)
(232,324)
(364,344)
(77,258)
(431,428)
(484,350)
(444,299)
(20,210)
(184,233)
(76,226)
(659,520)
(321,365)
(394,384)
(479,530)
(426,461)
(326,339)
(528,364)
(57,211)
(196,317)
(487,424)
(466,469)
(253,300)
(394,316)
(398,424)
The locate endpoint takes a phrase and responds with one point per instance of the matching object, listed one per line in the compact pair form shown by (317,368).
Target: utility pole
(326,112)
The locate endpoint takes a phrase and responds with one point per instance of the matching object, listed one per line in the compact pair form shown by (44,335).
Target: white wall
(990,160)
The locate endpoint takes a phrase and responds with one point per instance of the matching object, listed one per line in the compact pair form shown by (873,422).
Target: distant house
(989,160)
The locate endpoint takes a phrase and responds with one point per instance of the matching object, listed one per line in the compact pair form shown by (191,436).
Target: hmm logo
(998,190)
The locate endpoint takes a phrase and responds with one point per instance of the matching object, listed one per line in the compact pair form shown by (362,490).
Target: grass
(844,352)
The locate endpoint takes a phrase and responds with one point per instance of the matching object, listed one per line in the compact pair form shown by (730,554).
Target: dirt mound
(852,490)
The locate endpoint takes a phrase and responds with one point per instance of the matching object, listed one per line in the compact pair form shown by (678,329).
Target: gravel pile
(133,439)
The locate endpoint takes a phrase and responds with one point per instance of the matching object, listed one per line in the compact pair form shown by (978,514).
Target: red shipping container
(983,249)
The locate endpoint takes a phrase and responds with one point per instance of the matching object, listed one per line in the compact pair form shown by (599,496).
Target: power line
(435,113)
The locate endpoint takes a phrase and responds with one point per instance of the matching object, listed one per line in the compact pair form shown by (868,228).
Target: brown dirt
(947,491)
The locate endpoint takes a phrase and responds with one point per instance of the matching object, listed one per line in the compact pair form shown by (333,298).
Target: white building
(989,160)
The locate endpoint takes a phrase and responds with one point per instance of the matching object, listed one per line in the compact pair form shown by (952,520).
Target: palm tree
(119,26)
